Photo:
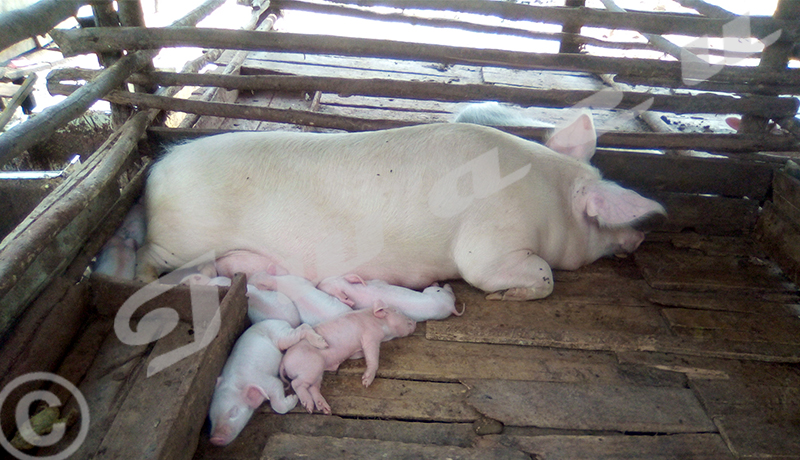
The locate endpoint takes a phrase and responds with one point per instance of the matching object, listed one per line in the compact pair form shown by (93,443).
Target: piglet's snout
(628,241)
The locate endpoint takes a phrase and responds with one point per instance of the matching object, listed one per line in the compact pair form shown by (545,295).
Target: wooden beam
(22,92)
(342,10)
(656,23)
(707,9)
(446,92)
(23,136)
(37,19)
(50,237)
(74,42)
(162,414)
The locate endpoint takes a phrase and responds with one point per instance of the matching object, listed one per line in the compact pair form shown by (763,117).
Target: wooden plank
(109,293)
(757,420)
(106,386)
(73,42)
(163,413)
(625,408)
(704,446)
(417,358)
(563,322)
(780,239)
(775,304)
(710,245)
(540,79)
(396,399)
(691,366)
(733,326)
(40,340)
(712,215)
(265,423)
(726,177)
(786,196)
(665,267)
(321,447)
(323,65)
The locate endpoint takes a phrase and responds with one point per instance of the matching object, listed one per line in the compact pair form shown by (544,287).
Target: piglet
(433,303)
(117,258)
(261,304)
(313,305)
(349,336)
(264,304)
(251,375)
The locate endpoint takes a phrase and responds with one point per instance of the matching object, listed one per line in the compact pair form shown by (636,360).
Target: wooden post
(131,15)
(37,19)
(775,58)
(568,42)
(21,137)
(106,16)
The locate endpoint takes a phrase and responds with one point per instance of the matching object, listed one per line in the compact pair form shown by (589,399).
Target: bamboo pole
(707,9)
(93,40)
(37,19)
(656,23)
(24,90)
(233,66)
(23,136)
(443,92)
(44,244)
(106,16)
(38,128)
(774,59)
(717,143)
(571,30)
(342,10)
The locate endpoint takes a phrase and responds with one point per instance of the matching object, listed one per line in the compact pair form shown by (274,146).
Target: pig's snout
(633,241)
(222,435)
(628,241)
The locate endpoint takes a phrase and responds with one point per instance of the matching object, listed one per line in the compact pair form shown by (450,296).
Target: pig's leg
(277,398)
(304,331)
(521,274)
(309,394)
(371,354)
(152,260)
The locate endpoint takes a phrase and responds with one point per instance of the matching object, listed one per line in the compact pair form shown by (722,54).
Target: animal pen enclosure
(689,348)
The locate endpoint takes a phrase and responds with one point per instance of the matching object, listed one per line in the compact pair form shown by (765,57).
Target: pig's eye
(233,413)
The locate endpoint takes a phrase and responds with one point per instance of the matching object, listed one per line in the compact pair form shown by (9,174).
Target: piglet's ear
(354,279)
(379,309)
(254,395)
(219,381)
(577,139)
(612,205)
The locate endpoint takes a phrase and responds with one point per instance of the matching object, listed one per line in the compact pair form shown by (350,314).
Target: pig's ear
(577,140)
(254,395)
(612,205)
(379,309)
(219,381)
(354,279)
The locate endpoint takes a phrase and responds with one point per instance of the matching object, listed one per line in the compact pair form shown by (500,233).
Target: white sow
(409,206)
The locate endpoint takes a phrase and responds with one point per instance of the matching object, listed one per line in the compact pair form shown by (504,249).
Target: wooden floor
(689,349)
